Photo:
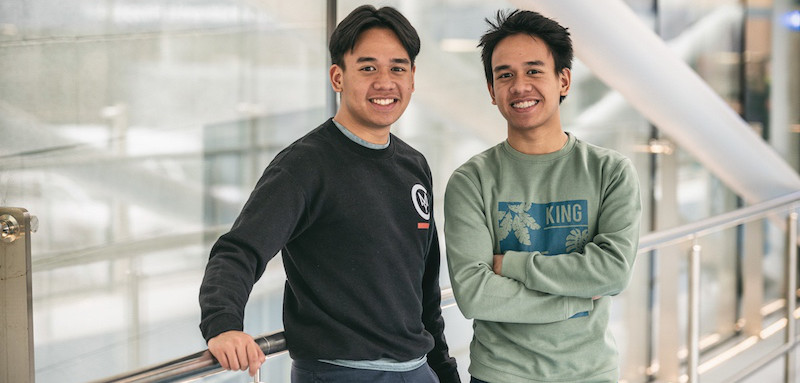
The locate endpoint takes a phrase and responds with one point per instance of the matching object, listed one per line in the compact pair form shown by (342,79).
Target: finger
(223,361)
(255,357)
(241,353)
(233,361)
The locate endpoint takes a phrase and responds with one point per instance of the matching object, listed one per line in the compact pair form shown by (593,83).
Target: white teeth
(524,104)
(382,101)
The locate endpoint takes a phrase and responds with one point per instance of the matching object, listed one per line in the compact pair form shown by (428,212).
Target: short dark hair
(555,36)
(344,37)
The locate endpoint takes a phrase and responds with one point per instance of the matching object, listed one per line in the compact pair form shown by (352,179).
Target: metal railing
(194,366)
(16,306)
(202,363)
(689,235)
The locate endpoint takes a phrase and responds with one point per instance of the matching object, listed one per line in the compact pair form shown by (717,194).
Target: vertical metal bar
(330,25)
(668,272)
(753,277)
(791,292)
(693,341)
(668,361)
(16,309)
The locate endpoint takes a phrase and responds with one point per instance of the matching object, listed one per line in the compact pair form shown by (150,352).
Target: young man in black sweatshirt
(349,206)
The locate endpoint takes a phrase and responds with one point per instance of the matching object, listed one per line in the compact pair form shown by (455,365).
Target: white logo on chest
(419,196)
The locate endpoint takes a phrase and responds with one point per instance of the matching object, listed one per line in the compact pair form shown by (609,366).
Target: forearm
(228,280)
(482,294)
(479,292)
(604,265)
(596,272)
(439,358)
(239,257)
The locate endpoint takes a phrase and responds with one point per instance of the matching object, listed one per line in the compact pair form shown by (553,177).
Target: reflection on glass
(136,130)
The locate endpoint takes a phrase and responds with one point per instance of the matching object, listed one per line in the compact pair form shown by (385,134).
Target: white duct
(611,40)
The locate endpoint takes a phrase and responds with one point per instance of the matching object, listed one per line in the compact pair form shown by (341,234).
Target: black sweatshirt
(356,231)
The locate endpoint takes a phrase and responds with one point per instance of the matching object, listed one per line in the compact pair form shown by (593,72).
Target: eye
(534,71)
(504,75)
(368,69)
(398,69)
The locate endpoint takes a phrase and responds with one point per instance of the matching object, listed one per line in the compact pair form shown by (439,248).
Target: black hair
(346,34)
(506,24)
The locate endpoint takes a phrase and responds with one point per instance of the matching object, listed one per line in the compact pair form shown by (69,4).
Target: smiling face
(527,88)
(375,82)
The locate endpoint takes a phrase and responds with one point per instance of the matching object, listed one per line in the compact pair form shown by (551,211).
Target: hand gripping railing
(194,366)
(203,364)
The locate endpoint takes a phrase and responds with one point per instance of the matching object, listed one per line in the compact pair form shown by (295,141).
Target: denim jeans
(304,371)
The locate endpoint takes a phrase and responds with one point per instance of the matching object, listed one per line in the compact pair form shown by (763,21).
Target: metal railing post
(16,309)
(331,104)
(791,293)
(693,330)
(753,277)
(667,354)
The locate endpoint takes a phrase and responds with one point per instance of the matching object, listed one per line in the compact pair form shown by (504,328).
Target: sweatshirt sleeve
(439,358)
(239,257)
(480,293)
(604,267)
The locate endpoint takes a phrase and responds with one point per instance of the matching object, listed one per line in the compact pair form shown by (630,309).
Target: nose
(520,85)
(383,81)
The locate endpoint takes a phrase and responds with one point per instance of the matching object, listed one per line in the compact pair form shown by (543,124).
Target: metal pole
(791,292)
(693,341)
(753,277)
(16,309)
(330,23)
(191,367)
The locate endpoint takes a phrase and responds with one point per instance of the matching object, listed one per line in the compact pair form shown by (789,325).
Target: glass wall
(136,130)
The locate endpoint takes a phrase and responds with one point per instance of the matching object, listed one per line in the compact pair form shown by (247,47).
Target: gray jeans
(304,371)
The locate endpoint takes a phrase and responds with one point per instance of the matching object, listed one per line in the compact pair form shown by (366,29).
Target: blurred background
(136,129)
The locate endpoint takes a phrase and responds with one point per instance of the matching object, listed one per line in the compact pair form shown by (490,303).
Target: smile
(383,101)
(524,104)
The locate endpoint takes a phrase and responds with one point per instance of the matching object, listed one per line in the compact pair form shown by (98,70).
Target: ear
(413,71)
(491,92)
(336,77)
(566,80)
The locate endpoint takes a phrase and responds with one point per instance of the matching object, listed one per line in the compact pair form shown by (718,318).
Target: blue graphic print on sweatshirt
(551,228)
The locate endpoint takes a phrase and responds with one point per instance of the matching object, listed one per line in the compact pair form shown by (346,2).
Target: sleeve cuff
(218,324)
(579,305)
(515,265)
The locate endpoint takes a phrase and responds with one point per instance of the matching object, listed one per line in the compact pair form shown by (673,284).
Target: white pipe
(611,40)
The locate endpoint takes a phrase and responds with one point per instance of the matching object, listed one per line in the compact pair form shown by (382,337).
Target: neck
(378,136)
(537,141)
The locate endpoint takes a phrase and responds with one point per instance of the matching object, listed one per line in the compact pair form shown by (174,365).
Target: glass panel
(138,131)
(774,265)
(718,284)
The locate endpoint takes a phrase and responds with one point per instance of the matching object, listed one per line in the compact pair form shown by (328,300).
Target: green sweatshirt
(568,224)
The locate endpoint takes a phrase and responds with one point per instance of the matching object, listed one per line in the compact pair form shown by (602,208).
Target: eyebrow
(529,63)
(373,59)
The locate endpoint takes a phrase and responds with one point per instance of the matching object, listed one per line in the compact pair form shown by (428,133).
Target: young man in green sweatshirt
(542,228)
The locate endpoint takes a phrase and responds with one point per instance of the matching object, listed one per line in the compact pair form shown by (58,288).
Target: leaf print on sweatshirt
(517,219)
(550,228)
(577,240)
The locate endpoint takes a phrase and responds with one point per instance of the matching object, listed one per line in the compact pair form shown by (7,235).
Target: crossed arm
(479,292)
(529,287)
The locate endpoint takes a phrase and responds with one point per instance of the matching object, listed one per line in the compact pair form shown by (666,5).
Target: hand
(596,297)
(236,350)
(497,264)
